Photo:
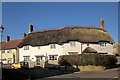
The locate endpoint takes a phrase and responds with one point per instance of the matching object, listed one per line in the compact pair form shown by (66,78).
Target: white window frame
(26,58)
(9,60)
(72,43)
(38,47)
(52,46)
(3,51)
(53,57)
(9,51)
(26,47)
(102,44)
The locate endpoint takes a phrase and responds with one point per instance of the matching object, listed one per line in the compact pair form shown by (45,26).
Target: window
(87,44)
(72,43)
(26,58)
(102,44)
(38,47)
(9,60)
(52,57)
(26,47)
(9,51)
(38,58)
(3,51)
(52,46)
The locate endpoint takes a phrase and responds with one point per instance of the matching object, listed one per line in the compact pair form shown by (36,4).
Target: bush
(88,59)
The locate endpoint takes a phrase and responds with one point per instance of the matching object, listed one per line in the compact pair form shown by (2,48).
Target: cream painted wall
(44,50)
(61,50)
(100,49)
(67,48)
(9,55)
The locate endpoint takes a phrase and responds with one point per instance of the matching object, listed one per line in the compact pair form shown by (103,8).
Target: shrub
(88,59)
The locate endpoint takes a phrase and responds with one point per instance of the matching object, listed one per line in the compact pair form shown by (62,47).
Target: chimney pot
(23,36)
(7,38)
(30,28)
(102,24)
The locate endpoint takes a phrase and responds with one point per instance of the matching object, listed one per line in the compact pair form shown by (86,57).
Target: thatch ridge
(72,27)
(63,35)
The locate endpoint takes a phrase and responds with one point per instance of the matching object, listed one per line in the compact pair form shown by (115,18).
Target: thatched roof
(89,50)
(62,35)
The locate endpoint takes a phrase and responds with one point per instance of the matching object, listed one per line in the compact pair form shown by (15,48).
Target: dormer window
(52,46)
(72,43)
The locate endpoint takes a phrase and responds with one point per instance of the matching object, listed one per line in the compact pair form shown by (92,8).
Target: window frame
(72,43)
(53,57)
(26,48)
(52,46)
(3,51)
(26,58)
(9,60)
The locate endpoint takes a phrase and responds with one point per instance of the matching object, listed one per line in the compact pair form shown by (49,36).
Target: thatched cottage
(48,45)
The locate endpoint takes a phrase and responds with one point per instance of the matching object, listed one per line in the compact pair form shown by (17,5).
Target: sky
(46,15)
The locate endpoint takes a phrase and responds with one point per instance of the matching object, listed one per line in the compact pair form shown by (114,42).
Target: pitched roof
(62,35)
(10,44)
(89,50)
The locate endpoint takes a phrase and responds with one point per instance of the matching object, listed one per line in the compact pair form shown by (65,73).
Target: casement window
(38,59)
(72,43)
(9,51)
(3,51)
(102,44)
(38,47)
(26,47)
(87,44)
(9,60)
(52,46)
(53,57)
(26,58)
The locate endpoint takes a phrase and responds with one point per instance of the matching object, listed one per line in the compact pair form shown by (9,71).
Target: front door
(38,60)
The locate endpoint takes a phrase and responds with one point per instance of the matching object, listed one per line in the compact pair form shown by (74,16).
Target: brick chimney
(101,24)
(23,36)
(30,28)
(7,38)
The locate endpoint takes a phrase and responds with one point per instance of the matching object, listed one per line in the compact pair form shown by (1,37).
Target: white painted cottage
(48,45)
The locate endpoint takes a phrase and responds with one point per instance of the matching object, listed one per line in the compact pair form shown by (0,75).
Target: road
(41,74)
(112,73)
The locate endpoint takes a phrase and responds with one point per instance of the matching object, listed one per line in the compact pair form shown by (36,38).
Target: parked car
(16,65)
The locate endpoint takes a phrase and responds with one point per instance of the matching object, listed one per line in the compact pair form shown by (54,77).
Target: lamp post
(1,31)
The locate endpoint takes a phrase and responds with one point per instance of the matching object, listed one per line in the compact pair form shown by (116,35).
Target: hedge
(88,59)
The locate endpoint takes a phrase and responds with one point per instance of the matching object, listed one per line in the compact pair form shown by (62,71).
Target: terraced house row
(47,45)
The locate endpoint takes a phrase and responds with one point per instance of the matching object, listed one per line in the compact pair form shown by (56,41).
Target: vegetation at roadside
(88,60)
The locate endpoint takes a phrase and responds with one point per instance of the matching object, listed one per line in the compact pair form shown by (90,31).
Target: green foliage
(88,59)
